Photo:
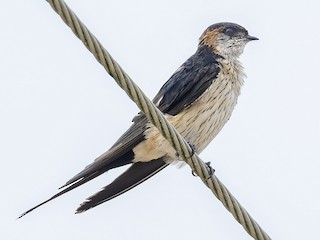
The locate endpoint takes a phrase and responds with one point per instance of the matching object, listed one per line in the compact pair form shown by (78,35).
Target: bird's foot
(210,169)
(193,149)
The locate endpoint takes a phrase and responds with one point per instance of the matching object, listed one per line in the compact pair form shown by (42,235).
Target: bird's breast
(204,119)
(201,121)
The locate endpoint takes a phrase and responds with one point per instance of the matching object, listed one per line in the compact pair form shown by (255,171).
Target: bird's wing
(136,174)
(119,154)
(188,83)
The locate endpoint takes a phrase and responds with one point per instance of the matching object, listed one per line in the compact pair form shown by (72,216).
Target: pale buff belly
(198,124)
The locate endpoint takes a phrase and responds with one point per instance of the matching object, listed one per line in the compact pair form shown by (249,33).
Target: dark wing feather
(188,83)
(114,156)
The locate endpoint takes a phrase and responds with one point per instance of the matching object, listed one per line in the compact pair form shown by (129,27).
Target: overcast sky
(60,109)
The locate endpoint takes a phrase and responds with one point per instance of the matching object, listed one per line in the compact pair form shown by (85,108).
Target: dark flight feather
(189,82)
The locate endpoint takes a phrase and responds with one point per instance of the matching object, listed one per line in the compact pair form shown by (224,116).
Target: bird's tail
(73,186)
(136,174)
(89,173)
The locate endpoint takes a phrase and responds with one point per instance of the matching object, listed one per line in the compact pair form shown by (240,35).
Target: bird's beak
(251,38)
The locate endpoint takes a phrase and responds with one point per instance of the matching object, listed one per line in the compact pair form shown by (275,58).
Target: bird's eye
(230,32)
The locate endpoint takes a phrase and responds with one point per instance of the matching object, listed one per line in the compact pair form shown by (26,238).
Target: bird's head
(226,39)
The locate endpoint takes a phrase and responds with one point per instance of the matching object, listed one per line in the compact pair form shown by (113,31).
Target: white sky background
(60,109)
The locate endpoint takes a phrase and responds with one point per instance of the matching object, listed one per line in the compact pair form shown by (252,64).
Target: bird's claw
(193,149)
(210,169)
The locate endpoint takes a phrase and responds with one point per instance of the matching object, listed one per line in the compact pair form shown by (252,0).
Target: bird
(198,100)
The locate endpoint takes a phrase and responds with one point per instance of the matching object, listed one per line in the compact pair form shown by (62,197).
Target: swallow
(197,100)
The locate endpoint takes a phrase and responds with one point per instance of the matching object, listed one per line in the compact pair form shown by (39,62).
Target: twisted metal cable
(156,117)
